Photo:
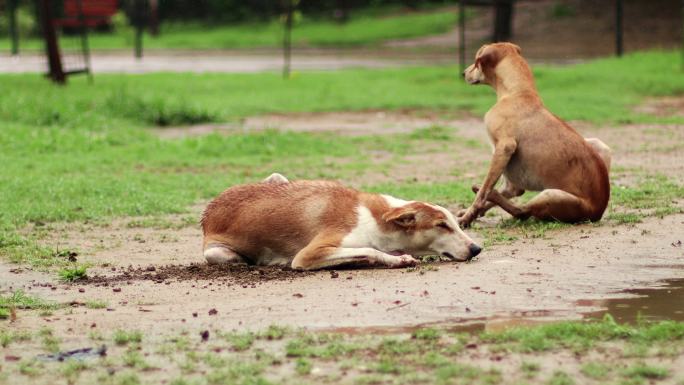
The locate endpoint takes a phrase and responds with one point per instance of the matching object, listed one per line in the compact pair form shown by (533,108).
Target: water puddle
(665,302)
(652,304)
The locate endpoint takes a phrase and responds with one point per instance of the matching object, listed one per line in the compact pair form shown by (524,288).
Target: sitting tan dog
(534,149)
(316,224)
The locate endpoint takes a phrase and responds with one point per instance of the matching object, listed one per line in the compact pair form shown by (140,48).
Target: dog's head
(427,229)
(486,60)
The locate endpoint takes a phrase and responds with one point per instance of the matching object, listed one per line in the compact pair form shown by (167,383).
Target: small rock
(194,314)
(213,312)
(334,274)
(151,268)
(116,289)
(81,290)
(298,295)
(205,335)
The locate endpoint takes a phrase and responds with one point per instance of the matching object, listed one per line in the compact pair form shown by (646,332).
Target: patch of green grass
(361,29)
(96,304)
(652,192)
(49,340)
(622,218)
(125,337)
(572,92)
(274,332)
(30,368)
(7,337)
(595,370)
(127,378)
(393,346)
(427,334)
(303,366)
(75,273)
(320,345)
(560,378)
(438,193)
(20,300)
(134,359)
(447,373)
(435,132)
(530,369)
(583,335)
(646,371)
(388,365)
(240,341)
(72,369)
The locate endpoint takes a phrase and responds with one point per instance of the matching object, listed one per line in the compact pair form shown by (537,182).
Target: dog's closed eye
(444,226)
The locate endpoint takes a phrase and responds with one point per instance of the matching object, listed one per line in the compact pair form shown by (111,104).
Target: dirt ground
(154,278)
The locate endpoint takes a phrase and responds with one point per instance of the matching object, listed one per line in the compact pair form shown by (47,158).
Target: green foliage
(49,340)
(359,30)
(583,335)
(7,337)
(646,371)
(20,300)
(598,91)
(274,332)
(240,341)
(96,304)
(428,334)
(303,366)
(560,378)
(595,370)
(74,273)
(530,369)
(125,337)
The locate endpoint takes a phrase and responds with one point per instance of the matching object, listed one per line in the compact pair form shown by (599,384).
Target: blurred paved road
(231,61)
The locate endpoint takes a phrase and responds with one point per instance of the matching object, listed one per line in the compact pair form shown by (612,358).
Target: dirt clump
(238,274)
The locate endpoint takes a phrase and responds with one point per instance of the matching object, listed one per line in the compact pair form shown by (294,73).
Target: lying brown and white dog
(318,224)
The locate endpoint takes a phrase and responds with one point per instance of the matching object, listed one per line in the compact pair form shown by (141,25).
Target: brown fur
(311,206)
(534,149)
(313,224)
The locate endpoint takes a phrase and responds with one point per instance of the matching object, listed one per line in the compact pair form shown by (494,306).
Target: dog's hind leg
(550,204)
(604,152)
(217,254)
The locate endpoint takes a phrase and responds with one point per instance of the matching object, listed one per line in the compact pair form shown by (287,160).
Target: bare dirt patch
(664,106)
(353,123)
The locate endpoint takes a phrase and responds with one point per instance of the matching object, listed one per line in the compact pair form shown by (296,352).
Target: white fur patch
(364,232)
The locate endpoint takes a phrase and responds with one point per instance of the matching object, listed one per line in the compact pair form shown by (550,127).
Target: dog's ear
(516,48)
(404,216)
(488,58)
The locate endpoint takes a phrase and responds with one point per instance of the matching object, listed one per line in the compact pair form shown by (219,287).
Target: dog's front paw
(405,260)
(466,219)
